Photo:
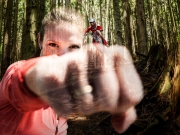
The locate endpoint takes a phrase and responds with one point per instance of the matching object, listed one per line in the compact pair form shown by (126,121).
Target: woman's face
(60,39)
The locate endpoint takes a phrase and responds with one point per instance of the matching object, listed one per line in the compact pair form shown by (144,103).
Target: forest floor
(154,117)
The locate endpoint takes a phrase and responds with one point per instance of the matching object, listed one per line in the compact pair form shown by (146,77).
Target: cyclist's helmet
(92,20)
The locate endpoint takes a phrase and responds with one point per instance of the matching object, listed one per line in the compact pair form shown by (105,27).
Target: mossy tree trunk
(7,45)
(34,13)
(141,28)
(117,23)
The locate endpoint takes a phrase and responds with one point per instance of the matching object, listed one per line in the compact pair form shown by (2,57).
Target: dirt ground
(153,116)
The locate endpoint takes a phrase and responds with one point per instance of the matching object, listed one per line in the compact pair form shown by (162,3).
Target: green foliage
(47,6)
(178,37)
(158,18)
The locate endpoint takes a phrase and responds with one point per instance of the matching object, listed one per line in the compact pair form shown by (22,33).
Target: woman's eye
(74,47)
(53,45)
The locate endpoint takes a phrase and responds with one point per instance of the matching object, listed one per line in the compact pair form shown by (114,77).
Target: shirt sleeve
(87,30)
(99,28)
(15,90)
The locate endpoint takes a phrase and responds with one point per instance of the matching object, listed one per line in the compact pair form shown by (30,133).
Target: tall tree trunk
(178,3)
(117,23)
(1,15)
(153,27)
(159,23)
(32,21)
(78,5)
(59,3)
(177,15)
(93,9)
(149,10)
(106,19)
(141,27)
(6,61)
(134,56)
(174,30)
(14,56)
(41,13)
(100,8)
(178,6)
(127,27)
(167,28)
(68,3)
(111,27)
(52,4)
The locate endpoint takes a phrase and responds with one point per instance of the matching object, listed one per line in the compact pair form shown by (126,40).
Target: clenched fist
(91,80)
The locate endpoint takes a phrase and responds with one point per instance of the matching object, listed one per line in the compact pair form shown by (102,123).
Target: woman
(38,95)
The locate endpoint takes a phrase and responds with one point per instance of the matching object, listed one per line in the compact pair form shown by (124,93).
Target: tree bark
(127,26)
(141,27)
(67,3)
(52,4)
(106,19)
(14,56)
(32,22)
(174,28)
(1,15)
(117,23)
(7,46)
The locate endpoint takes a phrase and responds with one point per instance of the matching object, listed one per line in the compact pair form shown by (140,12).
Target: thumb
(122,121)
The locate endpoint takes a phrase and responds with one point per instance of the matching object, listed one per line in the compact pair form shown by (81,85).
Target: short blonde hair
(62,15)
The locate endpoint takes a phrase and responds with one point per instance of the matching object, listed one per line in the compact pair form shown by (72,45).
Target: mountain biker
(96,32)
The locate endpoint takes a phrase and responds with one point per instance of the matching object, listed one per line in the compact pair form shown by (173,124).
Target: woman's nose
(62,51)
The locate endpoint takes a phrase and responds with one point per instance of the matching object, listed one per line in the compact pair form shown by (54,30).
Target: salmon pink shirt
(21,111)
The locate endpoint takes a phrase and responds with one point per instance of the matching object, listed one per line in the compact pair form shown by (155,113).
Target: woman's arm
(89,81)
(15,91)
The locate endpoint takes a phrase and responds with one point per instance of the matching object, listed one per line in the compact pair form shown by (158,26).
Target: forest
(148,28)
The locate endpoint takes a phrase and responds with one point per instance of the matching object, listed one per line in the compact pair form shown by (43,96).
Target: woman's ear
(39,42)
